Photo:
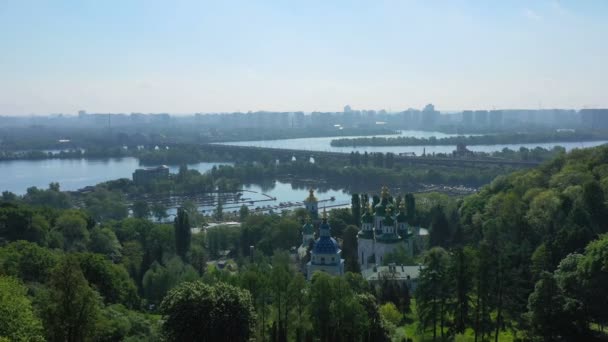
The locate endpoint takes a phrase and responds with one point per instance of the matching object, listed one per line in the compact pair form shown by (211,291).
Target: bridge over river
(284,154)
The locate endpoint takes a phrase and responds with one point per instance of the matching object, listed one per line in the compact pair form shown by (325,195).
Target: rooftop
(399,272)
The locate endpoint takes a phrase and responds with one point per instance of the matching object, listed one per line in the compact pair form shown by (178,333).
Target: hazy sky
(199,56)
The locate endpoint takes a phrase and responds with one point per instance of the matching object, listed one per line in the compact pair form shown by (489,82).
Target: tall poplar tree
(356,209)
(183,235)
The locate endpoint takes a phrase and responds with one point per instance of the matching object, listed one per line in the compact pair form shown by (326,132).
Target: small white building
(407,275)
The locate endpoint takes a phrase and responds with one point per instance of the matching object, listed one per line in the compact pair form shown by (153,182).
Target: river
(72,174)
(324,144)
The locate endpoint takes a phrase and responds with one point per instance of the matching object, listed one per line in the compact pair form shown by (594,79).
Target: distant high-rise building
(347,109)
(481,117)
(594,118)
(467,117)
(495,118)
(430,115)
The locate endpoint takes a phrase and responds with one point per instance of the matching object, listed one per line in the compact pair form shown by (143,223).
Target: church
(383,229)
(325,254)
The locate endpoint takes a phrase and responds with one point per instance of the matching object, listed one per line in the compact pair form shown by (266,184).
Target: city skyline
(188,57)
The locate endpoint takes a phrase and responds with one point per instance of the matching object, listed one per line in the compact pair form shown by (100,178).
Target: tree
(183,234)
(73,227)
(280,277)
(356,209)
(376,330)
(545,308)
(349,249)
(593,274)
(243,212)
(141,209)
(198,259)
(390,313)
(297,300)
(111,280)
(159,279)
(410,207)
(104,241)
(27,261)
(440,228)
(17,319)
(594,201)
(159,211)
(390,290)
(461,271)
(194,311)
(70,307)
(219,210)
(104,205)
(20,223)
(431,293)
(321,295)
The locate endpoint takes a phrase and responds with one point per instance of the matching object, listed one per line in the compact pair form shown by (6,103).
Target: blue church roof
(326,245)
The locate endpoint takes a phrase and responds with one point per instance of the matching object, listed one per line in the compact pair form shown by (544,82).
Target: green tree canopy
(195,311)
(17,319)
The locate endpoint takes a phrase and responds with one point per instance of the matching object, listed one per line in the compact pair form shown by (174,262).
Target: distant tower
(347,109)
(325,255)
(312,205)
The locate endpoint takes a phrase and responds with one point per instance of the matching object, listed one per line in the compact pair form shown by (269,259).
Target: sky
(124,56)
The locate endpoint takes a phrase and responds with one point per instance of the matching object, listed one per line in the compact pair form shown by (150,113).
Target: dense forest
(524,258)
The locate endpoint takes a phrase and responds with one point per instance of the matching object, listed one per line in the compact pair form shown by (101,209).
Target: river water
(73,174)
(324,144)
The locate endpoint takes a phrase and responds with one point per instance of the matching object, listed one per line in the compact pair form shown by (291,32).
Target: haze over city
(199,56)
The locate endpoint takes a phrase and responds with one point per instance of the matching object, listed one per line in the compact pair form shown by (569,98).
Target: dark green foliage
(195,311)
(51,197)
(117,323)
(159,211)
(546,308)
(349,249)
(103,204)
(183,235)
(27,261)
(70,307)
(410,207)
(110,280)
(356,209)
(461,272)
(440,234)
(432,293)
(159,279)
(21,223)
(141,209)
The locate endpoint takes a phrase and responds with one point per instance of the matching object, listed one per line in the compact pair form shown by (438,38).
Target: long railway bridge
(288,154)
